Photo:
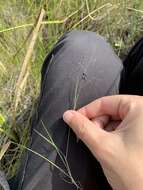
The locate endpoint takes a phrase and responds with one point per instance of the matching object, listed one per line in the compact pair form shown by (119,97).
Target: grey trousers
(81,67)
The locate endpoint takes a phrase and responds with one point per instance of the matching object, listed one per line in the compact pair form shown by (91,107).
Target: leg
(132,75)
(80,68)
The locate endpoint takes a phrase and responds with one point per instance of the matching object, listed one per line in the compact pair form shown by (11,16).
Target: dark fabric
(132,75)
(80,68)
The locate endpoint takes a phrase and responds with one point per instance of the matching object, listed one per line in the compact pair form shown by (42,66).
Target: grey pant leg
(81,67)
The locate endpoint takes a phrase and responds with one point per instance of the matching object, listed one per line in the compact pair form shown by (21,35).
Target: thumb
(90,133)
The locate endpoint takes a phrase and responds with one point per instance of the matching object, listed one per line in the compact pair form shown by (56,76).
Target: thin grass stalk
(4,149)
(49,161)
(136,10)
(60,153)
(62,156)
(89,15)
(2,68)
(42,23)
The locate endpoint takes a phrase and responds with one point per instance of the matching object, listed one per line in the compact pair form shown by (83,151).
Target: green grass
(119,20)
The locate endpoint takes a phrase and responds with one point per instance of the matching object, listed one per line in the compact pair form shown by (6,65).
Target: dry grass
(119,20)
(22,79)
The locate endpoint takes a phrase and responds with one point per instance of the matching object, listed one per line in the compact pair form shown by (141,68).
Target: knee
(84,40)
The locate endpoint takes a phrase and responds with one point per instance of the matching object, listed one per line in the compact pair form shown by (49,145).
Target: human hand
(112,128)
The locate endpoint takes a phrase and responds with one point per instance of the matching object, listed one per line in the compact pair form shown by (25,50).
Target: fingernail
(67,116)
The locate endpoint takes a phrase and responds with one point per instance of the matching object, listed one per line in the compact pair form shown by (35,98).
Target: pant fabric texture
(81,67)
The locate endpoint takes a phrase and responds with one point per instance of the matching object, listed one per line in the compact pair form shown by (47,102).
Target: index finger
(116,106)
